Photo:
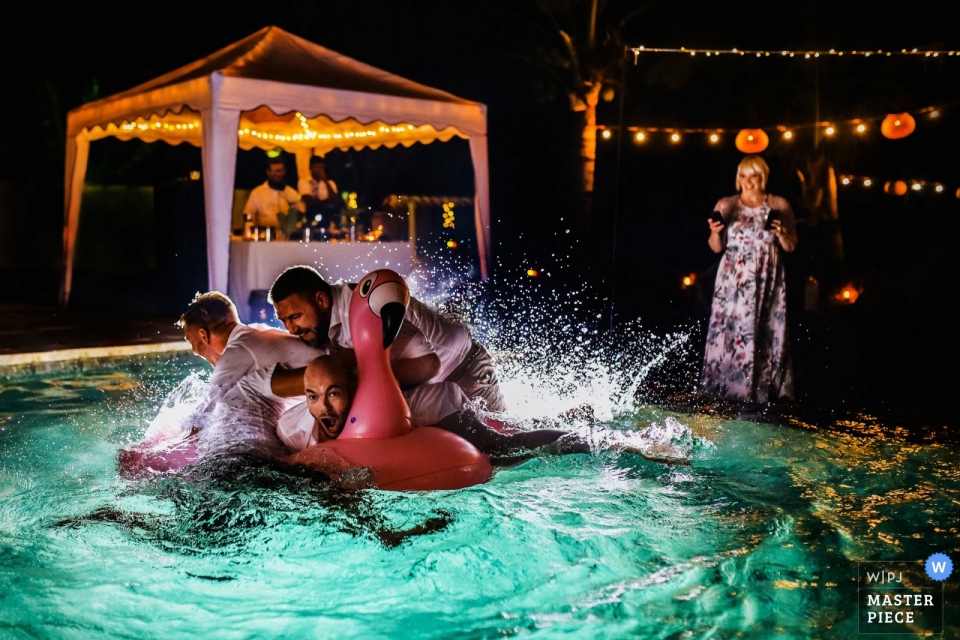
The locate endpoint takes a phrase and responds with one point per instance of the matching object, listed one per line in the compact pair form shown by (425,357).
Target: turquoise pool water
(759,537)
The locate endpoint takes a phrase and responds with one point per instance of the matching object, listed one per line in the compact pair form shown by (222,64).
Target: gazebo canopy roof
(167,108)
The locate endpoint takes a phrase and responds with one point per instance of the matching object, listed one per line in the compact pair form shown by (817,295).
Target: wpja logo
(902,597)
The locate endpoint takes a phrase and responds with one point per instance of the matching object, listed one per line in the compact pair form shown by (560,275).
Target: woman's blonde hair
(758,165)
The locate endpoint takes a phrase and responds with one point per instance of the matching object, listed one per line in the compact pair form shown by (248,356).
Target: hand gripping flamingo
(378,434)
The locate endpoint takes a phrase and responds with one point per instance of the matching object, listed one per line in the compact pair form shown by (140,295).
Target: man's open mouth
(328,425)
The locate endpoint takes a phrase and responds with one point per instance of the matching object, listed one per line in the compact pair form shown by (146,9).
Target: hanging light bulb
(845,180)
(861,128)
(714,138)
(787,135)
(830,131)
(675,137)
(606,134)
(867,182)
(641,136)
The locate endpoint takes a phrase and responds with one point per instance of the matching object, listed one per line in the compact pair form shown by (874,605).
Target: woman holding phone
(748,352)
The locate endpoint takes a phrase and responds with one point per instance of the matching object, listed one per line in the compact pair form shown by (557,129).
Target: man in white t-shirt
(272,198)
(239,354)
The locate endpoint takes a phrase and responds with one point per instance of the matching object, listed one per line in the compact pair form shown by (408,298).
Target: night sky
(500,53)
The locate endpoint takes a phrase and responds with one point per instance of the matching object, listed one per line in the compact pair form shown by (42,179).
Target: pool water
(758,537)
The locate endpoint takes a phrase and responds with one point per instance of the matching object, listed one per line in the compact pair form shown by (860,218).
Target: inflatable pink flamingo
(378,434)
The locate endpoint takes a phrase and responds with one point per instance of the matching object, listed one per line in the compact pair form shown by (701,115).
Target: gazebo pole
(78,152)
(219,152)
(481,212)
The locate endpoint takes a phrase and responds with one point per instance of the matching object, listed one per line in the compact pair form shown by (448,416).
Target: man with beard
(433,348)
(272,198)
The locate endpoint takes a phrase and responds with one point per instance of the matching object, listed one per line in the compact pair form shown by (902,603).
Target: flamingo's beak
(391,314)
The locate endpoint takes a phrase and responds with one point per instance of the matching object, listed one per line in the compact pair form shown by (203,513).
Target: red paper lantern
(752,140)
(898,125)
(895,188)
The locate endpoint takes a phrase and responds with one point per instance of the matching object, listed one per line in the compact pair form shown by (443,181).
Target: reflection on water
(759,536)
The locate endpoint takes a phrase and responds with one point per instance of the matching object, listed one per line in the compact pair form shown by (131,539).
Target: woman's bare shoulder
(724,205)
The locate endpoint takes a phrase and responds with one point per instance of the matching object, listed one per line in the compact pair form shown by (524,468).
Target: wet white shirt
(265,203)
(250,350)
(424,331)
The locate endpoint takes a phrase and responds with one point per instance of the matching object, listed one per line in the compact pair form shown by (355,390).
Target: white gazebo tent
(271,89)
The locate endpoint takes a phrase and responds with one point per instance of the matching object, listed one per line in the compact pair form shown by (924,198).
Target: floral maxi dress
(748,352)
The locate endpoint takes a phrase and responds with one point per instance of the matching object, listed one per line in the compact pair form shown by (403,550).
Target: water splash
(551,353)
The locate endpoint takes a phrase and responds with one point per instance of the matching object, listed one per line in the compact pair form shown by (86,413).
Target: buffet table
(255,265)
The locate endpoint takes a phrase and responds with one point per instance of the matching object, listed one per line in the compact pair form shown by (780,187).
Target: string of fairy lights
(806,54)
(756,140)
(897,187)
(892,126)
(714,135)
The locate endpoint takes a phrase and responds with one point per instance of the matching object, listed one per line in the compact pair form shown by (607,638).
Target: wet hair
(758,165)
(212,311)
(301,279)
(316,160)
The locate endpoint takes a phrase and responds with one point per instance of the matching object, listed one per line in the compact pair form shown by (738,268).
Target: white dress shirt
(265,203)
(424,331)
(251,350)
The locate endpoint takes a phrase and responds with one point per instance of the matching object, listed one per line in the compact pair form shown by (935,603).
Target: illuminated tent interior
(271,89)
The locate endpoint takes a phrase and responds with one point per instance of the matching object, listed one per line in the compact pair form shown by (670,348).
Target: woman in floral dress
(748,351)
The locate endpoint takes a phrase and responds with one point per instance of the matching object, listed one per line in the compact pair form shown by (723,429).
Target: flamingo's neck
(379,409)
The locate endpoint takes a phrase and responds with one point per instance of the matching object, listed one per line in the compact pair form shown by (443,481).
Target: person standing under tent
(320,195)
(271,199)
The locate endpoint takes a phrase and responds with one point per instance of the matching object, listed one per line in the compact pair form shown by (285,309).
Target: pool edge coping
(18,364)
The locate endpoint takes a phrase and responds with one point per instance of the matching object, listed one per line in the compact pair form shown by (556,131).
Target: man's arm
(251,208)
(235,362)
(287,383)
(411,372)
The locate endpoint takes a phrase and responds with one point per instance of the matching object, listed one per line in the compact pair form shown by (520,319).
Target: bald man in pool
(329,390)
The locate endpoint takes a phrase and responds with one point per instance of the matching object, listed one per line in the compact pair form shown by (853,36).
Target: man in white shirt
(272,198)
(240,354)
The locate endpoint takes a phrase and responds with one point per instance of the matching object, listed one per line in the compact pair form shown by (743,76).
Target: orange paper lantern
(895,188)
(898,125)
(752,140)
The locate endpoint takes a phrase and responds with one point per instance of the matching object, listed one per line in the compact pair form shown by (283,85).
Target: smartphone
(775,214)
(716,217)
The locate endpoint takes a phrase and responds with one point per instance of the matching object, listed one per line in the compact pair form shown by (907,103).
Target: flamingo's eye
(366,285)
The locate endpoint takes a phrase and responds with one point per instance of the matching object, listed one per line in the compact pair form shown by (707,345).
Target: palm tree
(585,54)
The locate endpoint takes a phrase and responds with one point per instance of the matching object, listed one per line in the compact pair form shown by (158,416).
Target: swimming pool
(759,536)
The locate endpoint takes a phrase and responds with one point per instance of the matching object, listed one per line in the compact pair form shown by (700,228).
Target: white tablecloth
(255,265)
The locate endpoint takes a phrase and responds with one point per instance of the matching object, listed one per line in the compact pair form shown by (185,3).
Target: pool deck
(36,339)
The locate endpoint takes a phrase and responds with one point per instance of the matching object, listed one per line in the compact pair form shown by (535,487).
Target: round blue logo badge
(939,566)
